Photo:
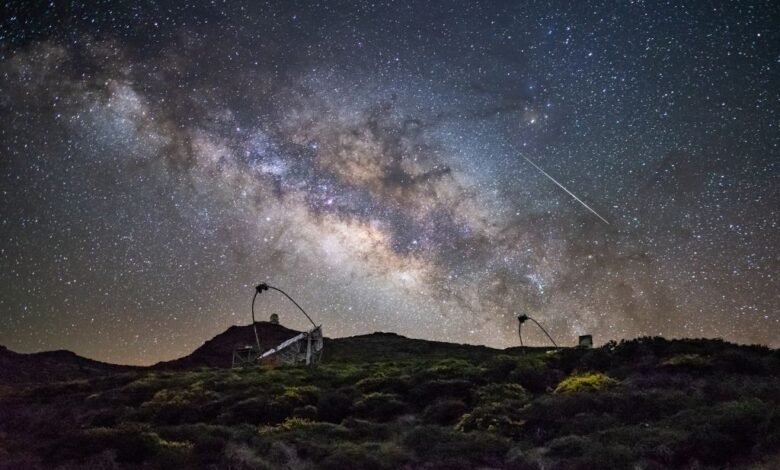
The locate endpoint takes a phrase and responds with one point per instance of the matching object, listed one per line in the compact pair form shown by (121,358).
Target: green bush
(453,369)
(518,458)
(432,390)
(569,446)
(687,361)
(659,444)
(545,417)
(301,439)
(434,443)
(370,430)
(296,396)
(739,361)
(367,456)
(501,393)
(498,368)
(534,375)
(333,407)
(257,410)
(499,410)
(725,431)
(131,444)
(584,423)
(182,405)
(504,419)
(587,382)
(384,384)
(600,359)
(444,412)
(380,406)
(615,457)
(208,441)
(308,412)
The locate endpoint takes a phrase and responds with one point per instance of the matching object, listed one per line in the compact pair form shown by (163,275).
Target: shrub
(661,379)
(659,444)
(500,418)
(434,443)
(367,456)
(499,367)
(534,375)
(518,459)
(650,405)
(370,430)
(257,410)
(597,359)
(299,396)
(209,441)
(687,361)
(741,362)
(584,423)
(333,406)
(501,393)
(453,369)
(385,384)
(240,456)
(444,412)
(569,446)
(175,406)
(105,418)
(499,409)
(291,424)
(380,406)
(543,418)
(132,444)
(723,432)
(308,412)
(432,390)
(188,413)
(300,438)
(350,456)
(587,382)
(613,457)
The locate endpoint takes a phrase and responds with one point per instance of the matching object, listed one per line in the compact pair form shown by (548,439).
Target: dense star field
(159,159)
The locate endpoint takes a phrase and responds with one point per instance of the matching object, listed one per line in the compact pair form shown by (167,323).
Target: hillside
(385,401)
(218,351)
(50,366)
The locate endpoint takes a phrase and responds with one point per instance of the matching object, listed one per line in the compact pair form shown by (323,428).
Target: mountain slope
(379,346)
(51,366)
(218,351)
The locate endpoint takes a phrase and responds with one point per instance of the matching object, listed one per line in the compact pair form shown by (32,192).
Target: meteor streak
(567,191)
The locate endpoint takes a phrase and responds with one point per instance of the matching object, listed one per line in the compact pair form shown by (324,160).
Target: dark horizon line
(148,366)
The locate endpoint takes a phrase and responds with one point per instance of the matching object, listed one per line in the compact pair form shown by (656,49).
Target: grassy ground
(388,402)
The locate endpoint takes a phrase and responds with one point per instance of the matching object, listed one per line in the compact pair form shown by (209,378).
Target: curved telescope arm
(263,286)
(523,318)
(545,332)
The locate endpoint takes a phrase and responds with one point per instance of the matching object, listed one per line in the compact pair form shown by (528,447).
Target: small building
(586,341)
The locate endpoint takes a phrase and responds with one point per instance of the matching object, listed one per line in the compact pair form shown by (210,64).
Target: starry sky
(158,159)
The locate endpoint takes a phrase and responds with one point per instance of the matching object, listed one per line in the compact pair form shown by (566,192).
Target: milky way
(160,159)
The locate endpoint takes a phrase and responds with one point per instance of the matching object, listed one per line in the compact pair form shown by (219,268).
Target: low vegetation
(647,403)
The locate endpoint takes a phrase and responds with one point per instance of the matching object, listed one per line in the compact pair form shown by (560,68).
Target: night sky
(157,160)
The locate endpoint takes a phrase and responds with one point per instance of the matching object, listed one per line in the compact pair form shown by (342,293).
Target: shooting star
(567,191)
